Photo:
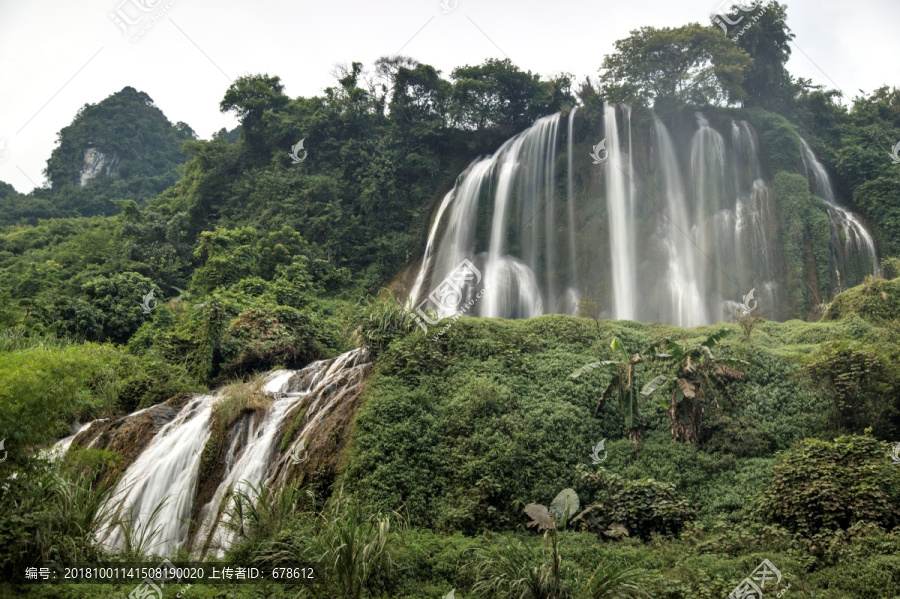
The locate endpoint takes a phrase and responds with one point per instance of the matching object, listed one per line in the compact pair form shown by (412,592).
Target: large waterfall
(672,221)
(169,485)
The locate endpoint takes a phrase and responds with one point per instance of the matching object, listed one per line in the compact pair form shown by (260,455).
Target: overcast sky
(57,55)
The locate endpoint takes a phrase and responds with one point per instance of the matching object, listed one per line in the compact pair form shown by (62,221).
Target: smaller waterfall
(249,456)
(62,446)
(856,255)
(165,474)
(167,471)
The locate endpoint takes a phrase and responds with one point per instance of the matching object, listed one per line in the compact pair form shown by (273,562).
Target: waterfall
(167,471)
(675,224)
(429,247)
(516,188)
(572,291)
(619,197)
(686,306)
(165,476)
(856,256)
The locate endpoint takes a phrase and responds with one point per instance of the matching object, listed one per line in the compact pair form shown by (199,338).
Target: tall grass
(258,513)
(380,320)
(139,540)
(349,545)
(236,399)
(514,570)
(52,514)
(510,569)
(611,580)
(19,338)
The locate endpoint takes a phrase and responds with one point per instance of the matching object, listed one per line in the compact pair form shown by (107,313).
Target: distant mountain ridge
(122,147)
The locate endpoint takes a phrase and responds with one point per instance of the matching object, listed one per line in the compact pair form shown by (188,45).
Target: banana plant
(621,385)
(696,380)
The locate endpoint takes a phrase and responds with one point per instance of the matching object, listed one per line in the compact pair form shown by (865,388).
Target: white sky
(57,55)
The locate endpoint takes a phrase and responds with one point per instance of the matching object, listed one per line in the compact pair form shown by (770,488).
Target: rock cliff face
(95,163)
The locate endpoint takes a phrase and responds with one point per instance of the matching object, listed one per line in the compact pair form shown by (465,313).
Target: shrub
(861,381)
(890,267)
(874,300)
(641,507)
(820,485)
(351,545)
(381,320)
(270,336)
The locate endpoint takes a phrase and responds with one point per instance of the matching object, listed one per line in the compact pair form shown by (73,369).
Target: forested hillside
(120,148)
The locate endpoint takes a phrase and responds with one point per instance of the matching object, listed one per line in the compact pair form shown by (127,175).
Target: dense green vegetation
(140,151)
(722,448)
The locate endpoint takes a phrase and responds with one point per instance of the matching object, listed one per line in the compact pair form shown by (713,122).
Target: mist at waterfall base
(675,225)
(166,474)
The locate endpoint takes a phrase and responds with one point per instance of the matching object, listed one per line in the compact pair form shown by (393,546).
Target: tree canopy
(692,64)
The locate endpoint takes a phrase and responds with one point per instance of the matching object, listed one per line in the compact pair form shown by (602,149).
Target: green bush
(861,380)
(890,267)
(644,507)
(822,485)
(876,300)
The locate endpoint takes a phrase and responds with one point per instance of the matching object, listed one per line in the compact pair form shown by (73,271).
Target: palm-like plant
(697,379)
(515,570)
(622,385)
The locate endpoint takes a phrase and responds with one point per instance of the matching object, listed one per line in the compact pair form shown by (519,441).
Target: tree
(250,98)
(499,94)
(697,379)
(766,79)
(118,297)
(419,96)
(622,384)
(689,65)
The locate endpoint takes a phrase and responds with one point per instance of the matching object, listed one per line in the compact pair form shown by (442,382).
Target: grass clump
(235,400)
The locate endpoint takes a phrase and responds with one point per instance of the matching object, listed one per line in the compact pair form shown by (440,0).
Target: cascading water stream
(572,291)
(166,473)
(858,245)
(686,306)
(164,476)
(619,196)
